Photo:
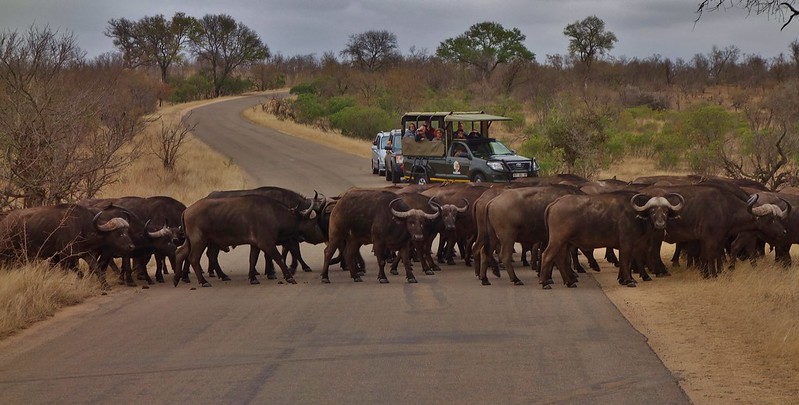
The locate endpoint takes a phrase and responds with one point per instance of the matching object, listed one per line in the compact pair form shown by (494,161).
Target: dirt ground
(714,363)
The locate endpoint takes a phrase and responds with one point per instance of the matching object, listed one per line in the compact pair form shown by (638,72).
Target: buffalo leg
(213,263)
(275,255)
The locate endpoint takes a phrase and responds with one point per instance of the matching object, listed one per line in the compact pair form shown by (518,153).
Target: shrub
(304,88)
(308,108)
(196,87)
(336,104)
(361,122)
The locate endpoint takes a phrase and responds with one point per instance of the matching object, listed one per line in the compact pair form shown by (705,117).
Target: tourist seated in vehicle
(474,135)
(460,133)
(423,133)
(439,135)
(459,150)
(411,131)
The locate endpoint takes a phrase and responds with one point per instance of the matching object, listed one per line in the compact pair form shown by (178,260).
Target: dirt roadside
(714,363)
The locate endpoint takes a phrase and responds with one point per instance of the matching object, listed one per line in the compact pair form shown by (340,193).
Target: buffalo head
(414,219)
(657,209)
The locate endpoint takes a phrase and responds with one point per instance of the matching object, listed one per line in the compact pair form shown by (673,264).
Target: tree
(485,46)
(224,45)
(770,7)
(66,126)
(589,40)
(372,50)
(151,40)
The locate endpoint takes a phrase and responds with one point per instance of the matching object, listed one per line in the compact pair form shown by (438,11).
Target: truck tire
(374,169)
(421,178)
(395,176)
(388,174)
(479,178)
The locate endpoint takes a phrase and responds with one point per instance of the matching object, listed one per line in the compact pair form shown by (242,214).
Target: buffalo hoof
(632,283)
(596,269)
(257,273)
(436,268)
(225,278)
(307,269)
(383,280)
(664,274)
(646,277)
(212,275)
(130,283)
(412,280)
(206,284)
(175,282)
(291,280)
(440,260)
(159,279)
(361,273)
(254,281)
(496,273)
(429,272)
(571,285)
(517,282)
(580,270)
(468,262)
(451,262)
(271,277)
(525,263)
(325,280)
(140,277)
(547,286)
(186,280)
(394,272)
(550,281)
(357,279)
(485,281)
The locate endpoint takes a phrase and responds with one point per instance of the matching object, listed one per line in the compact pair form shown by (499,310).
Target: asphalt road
(446,339)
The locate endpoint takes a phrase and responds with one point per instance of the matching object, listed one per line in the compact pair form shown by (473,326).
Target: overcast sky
(292,27)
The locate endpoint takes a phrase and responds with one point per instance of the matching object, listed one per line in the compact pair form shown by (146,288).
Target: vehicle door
(376,149)
(458,161)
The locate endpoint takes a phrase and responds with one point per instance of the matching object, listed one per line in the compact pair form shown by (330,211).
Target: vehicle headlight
(496,166)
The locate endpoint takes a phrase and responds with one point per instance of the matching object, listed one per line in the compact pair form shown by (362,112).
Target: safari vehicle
(394,158)
(379,150)
(478,158)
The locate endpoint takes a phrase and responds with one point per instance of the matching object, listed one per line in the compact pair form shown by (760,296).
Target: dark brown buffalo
(712,214)
(377,217)
(64,233)
(782,248)
(288,198)
(628,221)
(245,220)
(447,214)
(515,215)
(147,237)
(466,227)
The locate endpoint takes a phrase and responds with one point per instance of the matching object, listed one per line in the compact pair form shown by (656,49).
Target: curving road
(445,340)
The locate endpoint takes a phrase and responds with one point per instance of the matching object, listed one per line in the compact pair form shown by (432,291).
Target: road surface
(447,339)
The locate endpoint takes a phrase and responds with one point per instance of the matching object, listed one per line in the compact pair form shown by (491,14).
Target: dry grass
(35,291)
(332,139)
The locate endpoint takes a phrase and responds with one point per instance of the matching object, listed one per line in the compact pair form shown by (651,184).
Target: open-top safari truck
(477,157)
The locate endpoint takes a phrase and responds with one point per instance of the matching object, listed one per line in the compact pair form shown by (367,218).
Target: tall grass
(35,291)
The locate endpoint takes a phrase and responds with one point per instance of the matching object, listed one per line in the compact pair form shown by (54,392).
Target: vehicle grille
(519,166)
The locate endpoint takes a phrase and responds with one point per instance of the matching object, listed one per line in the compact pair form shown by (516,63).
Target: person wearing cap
(439,135)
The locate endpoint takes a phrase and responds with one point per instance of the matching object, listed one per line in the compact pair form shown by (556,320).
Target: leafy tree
(224,45)
(151,40)
(589,40)
(779,8)
(372,50)
(485,46)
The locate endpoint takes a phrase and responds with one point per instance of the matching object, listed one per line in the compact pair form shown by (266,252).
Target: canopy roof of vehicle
(450,116)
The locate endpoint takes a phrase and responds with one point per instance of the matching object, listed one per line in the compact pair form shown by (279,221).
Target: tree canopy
(485,46)
(372,50)
(588,39)
(225,44)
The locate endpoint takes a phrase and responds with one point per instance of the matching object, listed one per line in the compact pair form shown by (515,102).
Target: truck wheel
(374,169)
(388,174)
(421,178)
(479,178)
(395,176)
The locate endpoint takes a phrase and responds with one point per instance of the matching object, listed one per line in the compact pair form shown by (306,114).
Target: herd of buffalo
(714,221)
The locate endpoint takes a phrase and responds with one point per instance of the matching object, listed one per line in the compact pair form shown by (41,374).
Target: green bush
(361,122)
(304,88)
(196,87)
(308,108)
(235,85)
(538,147)
(336,104)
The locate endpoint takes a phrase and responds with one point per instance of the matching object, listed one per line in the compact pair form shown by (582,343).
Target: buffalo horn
(159,233)
(751,202)
(464,207)
(433,204)
(110,225)
(784,214)
(641,208)
(398,214)
(678,206)
(308,212)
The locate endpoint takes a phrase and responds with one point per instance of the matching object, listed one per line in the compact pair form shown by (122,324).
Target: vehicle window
(383,140)
(499,149)
(396,144)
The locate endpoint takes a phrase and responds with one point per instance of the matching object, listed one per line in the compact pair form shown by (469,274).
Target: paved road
(445,340)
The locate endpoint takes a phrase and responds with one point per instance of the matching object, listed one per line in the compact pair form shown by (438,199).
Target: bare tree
(372,50)
(779,8)
(169,142)
(66,127)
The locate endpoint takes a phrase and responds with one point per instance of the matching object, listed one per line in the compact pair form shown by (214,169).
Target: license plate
(519,174)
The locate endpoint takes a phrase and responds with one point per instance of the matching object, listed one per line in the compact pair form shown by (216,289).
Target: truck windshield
(396,144)
(491,149)
(383,141)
